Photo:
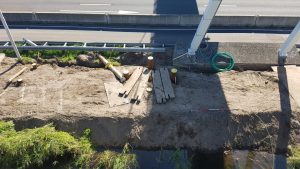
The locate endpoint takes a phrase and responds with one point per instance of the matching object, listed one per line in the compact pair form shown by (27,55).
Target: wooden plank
(142,85)
(292,74)
(167,85)
(158,87)
(125,90)
(16,75)
(2,56)
(112,94)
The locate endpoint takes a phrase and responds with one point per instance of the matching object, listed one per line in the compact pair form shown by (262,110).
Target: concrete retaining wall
(150,20)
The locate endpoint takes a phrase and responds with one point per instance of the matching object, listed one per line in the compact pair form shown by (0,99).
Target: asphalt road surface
(167,37)
(228,7)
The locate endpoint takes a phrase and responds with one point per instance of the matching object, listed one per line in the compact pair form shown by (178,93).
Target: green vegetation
(27,60)
(46,147)
(294,160)
(113,160)
(177,159)
(63,57)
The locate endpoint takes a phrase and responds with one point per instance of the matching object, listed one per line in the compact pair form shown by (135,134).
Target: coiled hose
(226,55)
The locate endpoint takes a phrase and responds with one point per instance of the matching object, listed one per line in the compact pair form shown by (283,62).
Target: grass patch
(112,160)
(26,60)
(34,147)
(46,147)
(64,57)
(294,160)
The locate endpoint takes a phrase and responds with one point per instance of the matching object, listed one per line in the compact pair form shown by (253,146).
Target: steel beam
(290,42)
(134,47)
(9,35)
(210,12)
(30,42)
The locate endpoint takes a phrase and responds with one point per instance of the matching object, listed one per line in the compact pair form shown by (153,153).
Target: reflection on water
(184,159)
(164,159)
(253,160)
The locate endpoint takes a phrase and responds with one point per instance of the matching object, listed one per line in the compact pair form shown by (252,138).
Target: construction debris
(108,65)
(141,86)
(33,66)
(18,83)
(162,85)
(158,87)
(14,76)
(135,87)
(173,75)
(125,90)
(113,95)
(126,74)
(150,63)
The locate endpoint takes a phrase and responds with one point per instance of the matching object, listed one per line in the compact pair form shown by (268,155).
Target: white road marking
(102,12)
(127,12)
(233,5)
(95,4)
(81,11)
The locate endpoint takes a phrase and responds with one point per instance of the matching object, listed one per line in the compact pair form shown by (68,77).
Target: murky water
(184,159)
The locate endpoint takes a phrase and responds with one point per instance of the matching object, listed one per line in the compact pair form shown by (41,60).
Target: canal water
(185,159)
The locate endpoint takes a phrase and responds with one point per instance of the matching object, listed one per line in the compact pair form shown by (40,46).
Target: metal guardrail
(51,45)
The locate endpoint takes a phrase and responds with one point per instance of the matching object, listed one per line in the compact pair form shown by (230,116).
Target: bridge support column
(210,12)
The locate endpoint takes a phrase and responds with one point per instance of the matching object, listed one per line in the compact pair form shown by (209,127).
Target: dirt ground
(211,111)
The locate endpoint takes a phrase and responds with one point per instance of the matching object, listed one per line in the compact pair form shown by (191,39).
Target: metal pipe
(9,34)
(30,42)
(290,42)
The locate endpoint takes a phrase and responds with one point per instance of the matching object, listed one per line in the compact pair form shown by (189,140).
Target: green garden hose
(226,55)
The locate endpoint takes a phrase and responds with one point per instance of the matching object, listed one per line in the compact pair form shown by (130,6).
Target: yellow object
(174,70)
(108,66)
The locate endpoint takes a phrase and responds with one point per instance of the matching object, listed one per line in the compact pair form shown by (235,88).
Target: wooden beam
(158,87)
(166,82)
(125,90)
(16,75)
(142,85)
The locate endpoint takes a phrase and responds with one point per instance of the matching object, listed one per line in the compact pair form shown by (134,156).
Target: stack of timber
(141,86)
(162,85)
(126,89)
(132,90)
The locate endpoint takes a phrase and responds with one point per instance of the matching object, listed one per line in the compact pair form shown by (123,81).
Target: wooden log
(108,65)
(126,74)
(150,63)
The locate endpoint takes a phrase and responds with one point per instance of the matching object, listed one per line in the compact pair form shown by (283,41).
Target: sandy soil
(210,111)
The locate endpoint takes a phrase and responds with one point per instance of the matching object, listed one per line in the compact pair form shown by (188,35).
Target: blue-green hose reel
(225,55)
